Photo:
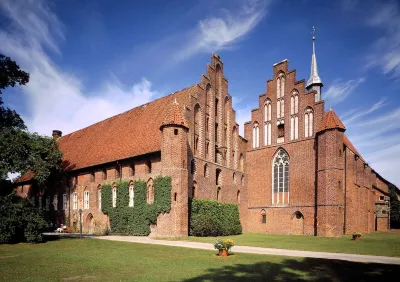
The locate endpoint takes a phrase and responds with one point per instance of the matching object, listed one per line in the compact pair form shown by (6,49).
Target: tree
(11,74)
(21,150)
(394,207)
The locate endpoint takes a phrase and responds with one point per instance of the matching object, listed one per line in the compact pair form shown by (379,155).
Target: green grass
(98,260)
(378,243)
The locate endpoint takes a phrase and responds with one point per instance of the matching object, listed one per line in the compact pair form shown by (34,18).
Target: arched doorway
(89,223)
(297,223)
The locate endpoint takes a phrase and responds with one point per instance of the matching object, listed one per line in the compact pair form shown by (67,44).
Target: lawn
(100,260)
(378,243)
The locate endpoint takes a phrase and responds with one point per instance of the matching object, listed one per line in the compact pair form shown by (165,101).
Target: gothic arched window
(280,95)
(280,189)
(294,115)
(267,122)
(131,194)
(308,123)
(150,191)
(256,135)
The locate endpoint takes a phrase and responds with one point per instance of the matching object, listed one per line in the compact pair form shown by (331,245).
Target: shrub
(20,221)
(212,218)
(204,225)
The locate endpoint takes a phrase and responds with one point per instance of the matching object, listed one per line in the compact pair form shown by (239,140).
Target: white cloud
(338,91)
(216,33)
(375,133)
(57,99)
(385,52)
(359,113)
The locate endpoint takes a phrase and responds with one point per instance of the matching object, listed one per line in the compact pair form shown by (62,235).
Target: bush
(212,218)
(20,221)
(204,225)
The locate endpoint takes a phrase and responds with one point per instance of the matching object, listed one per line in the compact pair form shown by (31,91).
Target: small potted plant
(356,236)
(223,246)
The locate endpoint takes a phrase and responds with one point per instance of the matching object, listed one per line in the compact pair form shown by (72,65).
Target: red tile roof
(27,176)
(331,121)
(175,116)
(135,132)
(350,145)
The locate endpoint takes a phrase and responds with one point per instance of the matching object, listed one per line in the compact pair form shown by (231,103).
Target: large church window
(280,190)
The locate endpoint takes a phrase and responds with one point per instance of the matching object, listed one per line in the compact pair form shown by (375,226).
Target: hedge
(212,218)
(125,220)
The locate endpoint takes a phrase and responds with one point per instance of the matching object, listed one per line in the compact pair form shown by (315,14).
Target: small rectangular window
(175,131)
(264,218)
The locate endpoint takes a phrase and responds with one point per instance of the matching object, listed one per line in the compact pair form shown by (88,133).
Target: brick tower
(330,166)
(174,158)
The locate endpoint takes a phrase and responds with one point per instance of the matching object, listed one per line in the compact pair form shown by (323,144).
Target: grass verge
(378,243)
(100,260)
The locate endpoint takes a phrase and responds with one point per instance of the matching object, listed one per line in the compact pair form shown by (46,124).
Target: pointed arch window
(267,122)
(294,115)
(308,123)
(86,200)
(280,95)
(280,184)
(131,195)
(256,135)
(150,191)
(114,196)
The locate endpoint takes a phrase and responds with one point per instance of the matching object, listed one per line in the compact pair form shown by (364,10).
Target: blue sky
(92,59)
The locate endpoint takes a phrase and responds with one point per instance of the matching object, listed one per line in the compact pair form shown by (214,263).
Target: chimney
(56,134)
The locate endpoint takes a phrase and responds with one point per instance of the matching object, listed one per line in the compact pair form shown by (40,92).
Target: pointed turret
(174,116)
(315,82)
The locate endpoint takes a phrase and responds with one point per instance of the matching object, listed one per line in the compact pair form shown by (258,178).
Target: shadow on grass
(309,269)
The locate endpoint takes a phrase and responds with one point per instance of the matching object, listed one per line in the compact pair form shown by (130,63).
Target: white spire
(314,78)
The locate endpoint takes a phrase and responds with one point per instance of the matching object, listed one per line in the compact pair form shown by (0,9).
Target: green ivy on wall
(125,220)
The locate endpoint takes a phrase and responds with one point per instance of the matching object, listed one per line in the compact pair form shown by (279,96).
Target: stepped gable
(331,121)
(133,133)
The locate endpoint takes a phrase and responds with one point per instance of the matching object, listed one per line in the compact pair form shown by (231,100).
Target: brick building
(295,172)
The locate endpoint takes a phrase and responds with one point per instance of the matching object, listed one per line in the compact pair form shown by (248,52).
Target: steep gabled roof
(331,121)
(133,133)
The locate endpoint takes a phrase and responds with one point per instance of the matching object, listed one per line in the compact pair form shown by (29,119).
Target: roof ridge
(163,97)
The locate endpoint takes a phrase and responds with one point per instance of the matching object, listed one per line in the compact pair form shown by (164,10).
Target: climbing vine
(136,220)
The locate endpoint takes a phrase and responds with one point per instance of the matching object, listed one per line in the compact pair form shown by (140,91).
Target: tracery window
(280,188)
